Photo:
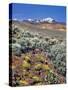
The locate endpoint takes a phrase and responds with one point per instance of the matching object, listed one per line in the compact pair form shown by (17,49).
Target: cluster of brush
(37,60)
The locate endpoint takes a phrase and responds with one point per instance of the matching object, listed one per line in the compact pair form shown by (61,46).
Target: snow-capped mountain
(49,20)
(30,20)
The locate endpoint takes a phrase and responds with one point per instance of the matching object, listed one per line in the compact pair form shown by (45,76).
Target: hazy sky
(25,11)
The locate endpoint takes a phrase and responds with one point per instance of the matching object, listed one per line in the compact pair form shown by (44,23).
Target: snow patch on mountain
(49,20)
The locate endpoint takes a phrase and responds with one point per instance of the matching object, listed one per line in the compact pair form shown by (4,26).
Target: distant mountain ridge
(37,21)
(50,20)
